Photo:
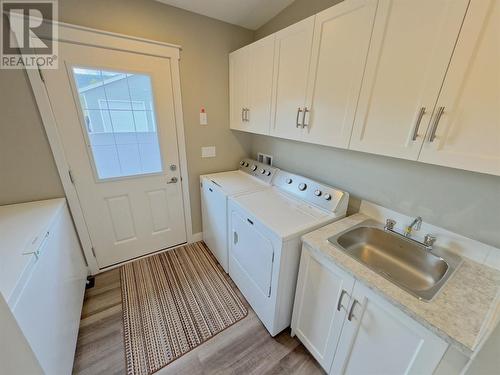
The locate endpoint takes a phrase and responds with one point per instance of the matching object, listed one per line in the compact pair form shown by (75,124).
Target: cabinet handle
(421,114)
(435,124)
(339,303)
(351,310)
(242,114)
(247,114)
(235,238)
(304,117)
(297,123)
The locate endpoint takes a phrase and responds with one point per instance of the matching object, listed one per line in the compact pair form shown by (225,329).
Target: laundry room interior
(250,187)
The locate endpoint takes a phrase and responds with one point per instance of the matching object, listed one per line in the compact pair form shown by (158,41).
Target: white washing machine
(265,240)
(216,188)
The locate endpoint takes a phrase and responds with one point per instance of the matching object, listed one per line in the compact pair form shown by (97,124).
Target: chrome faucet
(415,225)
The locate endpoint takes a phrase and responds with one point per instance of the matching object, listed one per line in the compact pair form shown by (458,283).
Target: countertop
(462,313)
(23,228)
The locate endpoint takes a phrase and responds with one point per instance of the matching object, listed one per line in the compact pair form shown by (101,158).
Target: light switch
(208,152)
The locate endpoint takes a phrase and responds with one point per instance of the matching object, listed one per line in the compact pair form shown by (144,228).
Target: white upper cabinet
(340,47)
(293,52)
(251,85)
(260,84)
(467,135)
(238,88)
(410,50)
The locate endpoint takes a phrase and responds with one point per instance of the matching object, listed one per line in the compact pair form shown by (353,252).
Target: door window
(119,122)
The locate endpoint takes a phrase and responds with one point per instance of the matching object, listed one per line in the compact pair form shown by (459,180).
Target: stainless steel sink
(401,260)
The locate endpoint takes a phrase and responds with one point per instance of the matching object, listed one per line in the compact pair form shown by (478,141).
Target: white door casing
(140,213)
(118,42)
(411,47)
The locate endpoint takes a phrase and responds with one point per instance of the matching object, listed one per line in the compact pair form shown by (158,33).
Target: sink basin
(401,260)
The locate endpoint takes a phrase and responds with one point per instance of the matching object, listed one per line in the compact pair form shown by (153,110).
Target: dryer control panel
(324,196)
(263,172)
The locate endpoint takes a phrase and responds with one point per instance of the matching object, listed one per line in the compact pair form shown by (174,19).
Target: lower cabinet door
(377,338)
(321,303)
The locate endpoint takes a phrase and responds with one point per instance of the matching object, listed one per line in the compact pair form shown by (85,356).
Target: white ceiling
(250,14)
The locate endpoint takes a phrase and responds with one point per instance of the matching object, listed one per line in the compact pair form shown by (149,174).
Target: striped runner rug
(173,302)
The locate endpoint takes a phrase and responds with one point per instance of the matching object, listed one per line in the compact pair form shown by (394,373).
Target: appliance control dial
(328,197)
(302,186)
(246,164)
(262,171)
(289,181)
(318,193)
(268,173)
(242,163)
(254,167)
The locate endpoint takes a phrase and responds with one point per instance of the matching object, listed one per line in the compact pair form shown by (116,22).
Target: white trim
(86,36)
(196,237)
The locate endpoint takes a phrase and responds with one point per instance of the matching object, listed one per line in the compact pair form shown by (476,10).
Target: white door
(377,338)
(260,85)
(340,47)
(214,215)
(411,48)
(321,302)
(293,52)
(238,88)
(467,135)
(115,115)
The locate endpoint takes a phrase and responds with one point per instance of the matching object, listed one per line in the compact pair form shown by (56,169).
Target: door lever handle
(173,180)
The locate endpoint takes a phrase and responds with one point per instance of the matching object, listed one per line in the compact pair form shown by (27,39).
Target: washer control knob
(289,181)
(246,164)
(268,173)
(262,171)
(254,167)
(318,193)
(242,163)
(302,187)
(328,197)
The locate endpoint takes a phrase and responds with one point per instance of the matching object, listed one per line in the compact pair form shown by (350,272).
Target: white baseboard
(195,237)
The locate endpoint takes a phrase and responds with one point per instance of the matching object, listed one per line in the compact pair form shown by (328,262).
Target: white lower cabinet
(351,330)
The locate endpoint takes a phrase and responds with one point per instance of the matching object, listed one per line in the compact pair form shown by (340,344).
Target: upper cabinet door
(238,88)
(260,85)
(293,52)
(467,135)
(340,47)
(411,47)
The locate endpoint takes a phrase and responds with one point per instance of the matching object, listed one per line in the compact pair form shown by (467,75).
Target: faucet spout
(415,225)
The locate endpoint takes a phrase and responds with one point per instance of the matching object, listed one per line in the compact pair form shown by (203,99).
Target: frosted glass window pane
(119,119)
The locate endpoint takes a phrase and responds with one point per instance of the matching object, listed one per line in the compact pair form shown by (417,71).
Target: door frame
(109,40)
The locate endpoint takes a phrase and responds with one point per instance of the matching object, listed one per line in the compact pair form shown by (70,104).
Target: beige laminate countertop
(463,311)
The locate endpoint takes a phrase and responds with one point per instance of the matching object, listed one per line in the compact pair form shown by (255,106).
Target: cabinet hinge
(71,178)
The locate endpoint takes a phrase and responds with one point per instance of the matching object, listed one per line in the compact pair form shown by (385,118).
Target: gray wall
(464,202)
(204,82)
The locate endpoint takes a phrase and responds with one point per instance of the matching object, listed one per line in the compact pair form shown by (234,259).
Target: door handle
(297,123)
(351,310)
(435,124)
(421,114)
(173,180)
(339,303)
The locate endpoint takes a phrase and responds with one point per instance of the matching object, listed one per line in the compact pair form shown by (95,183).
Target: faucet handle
(429,240)
(389,224)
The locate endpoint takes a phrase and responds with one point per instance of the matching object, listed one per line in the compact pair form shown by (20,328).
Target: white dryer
(216,188)
(265,240)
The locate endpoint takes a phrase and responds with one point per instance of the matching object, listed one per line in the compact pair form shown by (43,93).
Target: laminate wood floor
(244,348)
